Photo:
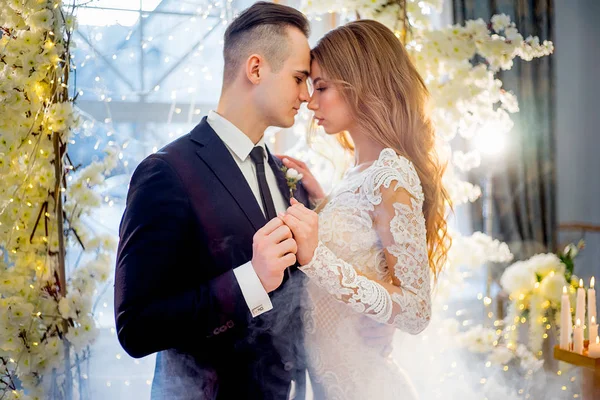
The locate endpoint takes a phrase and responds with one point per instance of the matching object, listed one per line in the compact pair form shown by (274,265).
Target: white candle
(580,305)
(591,295)
(566,320)
(578,337)
(594,348)
(593,329)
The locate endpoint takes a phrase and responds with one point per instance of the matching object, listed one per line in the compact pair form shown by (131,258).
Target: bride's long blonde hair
(389,99)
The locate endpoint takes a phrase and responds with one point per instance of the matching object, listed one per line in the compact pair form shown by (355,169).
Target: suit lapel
(299,194)
(217,157)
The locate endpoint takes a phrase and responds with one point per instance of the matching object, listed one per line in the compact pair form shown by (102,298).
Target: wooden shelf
(580,360)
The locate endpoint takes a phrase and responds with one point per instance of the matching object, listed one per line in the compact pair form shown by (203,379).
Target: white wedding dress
(369,230)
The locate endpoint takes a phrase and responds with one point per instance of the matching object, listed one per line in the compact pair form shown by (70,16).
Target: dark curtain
(524,177)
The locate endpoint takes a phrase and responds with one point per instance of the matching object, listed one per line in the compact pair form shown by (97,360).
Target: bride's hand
(304,224)
(309,182)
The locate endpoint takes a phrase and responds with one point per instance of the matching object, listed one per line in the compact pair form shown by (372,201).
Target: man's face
(280,94)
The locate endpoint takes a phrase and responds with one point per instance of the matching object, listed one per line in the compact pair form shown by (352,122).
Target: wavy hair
(389,100)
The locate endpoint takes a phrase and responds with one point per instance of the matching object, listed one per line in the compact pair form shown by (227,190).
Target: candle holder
(590,386)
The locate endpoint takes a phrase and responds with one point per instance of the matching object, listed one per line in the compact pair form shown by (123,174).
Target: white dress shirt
(240,146)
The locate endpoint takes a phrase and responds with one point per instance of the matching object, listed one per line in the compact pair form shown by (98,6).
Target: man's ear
(254,64)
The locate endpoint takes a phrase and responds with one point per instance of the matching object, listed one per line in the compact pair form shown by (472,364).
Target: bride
(382,231)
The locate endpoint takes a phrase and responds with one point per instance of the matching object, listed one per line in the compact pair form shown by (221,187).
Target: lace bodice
(371,231)
(371,260)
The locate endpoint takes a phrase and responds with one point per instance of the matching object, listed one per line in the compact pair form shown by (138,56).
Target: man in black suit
(206,273)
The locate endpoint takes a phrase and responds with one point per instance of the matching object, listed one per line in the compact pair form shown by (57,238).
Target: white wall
(577,73)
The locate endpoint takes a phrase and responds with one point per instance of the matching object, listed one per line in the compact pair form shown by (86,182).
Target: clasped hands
(294,236)
(289,238)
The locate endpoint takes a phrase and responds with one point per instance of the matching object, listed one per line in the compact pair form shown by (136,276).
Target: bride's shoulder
(389,159)
(389,168)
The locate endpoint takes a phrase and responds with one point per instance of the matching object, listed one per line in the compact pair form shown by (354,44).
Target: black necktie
(258,157)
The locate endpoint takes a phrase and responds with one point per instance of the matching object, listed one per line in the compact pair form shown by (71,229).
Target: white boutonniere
(292,178)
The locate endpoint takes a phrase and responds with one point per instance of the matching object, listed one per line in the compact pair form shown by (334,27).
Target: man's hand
(304,224)
(377,335)
(273,250)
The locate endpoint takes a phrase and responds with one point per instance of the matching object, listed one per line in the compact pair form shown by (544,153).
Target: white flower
(41,20)
(501,355)
(11,19)
(101,268)
(64,308)
(461,192)
(293,174)
(468,161)
(10,342)
(518,279)
(82,335)
(500,22)
(101,242)
(571,250)
(71,23)
(513,35)
(30,39)
(60,116)
(543,264)
(509,102)
(479,339)
(476,28)
(477,249)
(551,287)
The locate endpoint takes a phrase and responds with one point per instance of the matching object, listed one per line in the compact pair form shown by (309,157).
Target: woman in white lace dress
(382,231)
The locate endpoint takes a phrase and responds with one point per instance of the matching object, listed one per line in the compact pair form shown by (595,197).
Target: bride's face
(330,108)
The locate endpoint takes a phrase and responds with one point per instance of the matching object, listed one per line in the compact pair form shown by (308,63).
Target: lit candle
(578,337)
(593,329)
(580,305)
(594,348)
(591,295)
(565,320)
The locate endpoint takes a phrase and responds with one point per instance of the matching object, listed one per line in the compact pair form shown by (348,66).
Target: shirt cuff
(254,293)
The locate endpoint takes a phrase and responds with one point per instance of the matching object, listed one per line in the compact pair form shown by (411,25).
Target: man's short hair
(261,29)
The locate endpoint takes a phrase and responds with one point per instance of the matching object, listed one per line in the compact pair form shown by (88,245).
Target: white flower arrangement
(535,288)
(45,319)
(498,351)
(474,250)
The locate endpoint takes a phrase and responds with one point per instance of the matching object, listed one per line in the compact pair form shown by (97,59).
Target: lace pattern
(371,260)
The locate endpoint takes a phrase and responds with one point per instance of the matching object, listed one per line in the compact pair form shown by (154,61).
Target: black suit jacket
(189,221)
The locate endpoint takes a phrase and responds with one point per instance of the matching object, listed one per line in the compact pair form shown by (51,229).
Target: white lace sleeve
(395,201)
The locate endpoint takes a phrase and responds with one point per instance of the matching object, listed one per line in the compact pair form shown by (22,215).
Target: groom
(206,273)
